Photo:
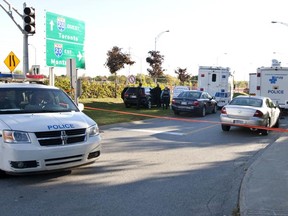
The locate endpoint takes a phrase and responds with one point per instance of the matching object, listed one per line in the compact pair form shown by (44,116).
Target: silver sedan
(250,111)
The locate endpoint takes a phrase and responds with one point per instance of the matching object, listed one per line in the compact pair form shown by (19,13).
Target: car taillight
(173,101)
(126,95)
(223,110)
(196,103)
(258,114)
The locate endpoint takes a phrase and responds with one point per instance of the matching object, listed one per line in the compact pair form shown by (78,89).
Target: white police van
(218,82)
(272,82)
(41,129)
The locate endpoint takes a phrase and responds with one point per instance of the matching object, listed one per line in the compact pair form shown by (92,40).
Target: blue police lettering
(279,77)
(275,91)
(62,126)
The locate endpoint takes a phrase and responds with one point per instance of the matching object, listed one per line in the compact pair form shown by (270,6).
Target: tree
(155,61)
(182,75)
(194,81)
(117,60)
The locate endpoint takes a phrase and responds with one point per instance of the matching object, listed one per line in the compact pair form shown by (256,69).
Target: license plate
(183,103)
(238,122)
(185,107)
(133,96)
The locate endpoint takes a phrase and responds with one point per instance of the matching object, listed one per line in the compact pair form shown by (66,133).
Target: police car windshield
(34,100)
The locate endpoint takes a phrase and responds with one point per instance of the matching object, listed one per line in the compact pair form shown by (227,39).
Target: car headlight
(16,137)
(93,131)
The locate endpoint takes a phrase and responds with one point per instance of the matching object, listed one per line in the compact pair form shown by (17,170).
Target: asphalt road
(153,167)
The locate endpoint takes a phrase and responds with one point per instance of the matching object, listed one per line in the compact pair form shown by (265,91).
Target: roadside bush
(91,89)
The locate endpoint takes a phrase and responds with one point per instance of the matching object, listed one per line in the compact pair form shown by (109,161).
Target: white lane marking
(147,131)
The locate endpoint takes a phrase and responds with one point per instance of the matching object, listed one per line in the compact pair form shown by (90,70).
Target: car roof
(26,85)
(194,91)
(251,96)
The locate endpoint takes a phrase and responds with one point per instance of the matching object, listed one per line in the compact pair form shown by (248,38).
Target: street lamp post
(157,37)
(283,23)
(286,24)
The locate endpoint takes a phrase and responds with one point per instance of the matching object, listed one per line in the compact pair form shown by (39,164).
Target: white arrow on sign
(51,25)
(79,56)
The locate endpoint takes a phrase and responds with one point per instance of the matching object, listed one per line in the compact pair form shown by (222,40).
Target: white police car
(41,129)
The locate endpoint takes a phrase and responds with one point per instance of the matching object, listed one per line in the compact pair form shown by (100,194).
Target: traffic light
(29,20)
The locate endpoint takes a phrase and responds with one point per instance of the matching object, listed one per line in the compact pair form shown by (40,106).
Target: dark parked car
(193,101)
(147,98)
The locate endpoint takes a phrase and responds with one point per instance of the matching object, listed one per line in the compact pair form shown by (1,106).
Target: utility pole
(25,49)
(28,29)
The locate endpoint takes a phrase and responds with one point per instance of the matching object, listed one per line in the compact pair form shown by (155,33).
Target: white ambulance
(272,82)
(42,129)
(218,82)
(252,83)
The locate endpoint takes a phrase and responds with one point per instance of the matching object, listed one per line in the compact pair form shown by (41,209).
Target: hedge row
(92,89)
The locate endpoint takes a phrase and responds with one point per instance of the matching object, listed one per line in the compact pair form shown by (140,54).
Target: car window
(189,94)
(196,95)
(131,90)
(204,96)
(239,101)
(182,94)
(26,100)
(255,102)
(222,94)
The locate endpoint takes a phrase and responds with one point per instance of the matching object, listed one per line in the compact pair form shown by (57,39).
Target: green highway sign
(58,51)
(65,38)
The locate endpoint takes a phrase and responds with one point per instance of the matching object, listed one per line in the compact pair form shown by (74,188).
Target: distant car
(193,101)
(178,89)
(250,111)
(147,98)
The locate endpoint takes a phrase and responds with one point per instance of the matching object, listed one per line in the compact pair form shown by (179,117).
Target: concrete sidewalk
(264,190)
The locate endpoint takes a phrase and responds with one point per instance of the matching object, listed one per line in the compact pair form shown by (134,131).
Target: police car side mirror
(81,106)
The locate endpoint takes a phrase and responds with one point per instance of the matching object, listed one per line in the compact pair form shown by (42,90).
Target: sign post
(71,72)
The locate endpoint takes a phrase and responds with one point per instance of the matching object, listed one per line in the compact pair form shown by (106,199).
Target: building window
(213,77)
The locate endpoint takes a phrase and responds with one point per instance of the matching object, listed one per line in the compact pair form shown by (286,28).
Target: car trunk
(244,112)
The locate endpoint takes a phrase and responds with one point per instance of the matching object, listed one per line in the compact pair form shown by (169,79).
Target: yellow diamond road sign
(11,61)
